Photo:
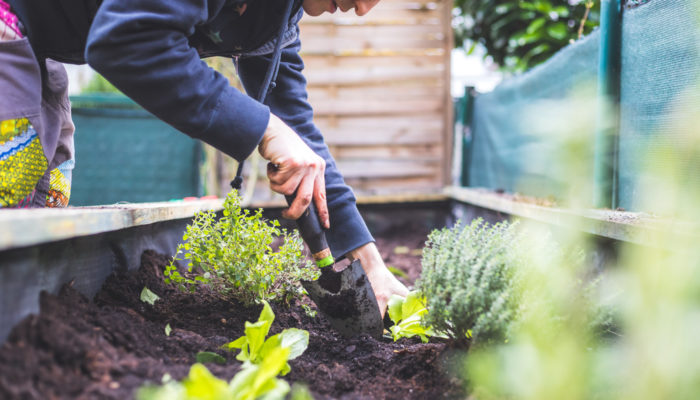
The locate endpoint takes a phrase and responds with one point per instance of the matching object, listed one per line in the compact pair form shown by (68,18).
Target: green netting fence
(520,136)
(125,154)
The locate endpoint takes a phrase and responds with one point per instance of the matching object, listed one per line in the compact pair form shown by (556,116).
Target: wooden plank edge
(403,198)
(29,227)
(626,226)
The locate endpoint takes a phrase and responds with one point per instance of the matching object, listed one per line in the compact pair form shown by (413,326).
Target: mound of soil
(112,345)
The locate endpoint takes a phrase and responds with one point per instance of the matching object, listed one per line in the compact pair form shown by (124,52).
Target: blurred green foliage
(519,34)
(654,288)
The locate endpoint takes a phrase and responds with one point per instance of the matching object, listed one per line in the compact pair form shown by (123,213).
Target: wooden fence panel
(379,85)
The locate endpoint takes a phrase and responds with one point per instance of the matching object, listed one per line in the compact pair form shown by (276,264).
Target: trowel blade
(346,298)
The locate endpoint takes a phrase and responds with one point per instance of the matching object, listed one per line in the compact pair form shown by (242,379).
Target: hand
(294,167)
(383,282)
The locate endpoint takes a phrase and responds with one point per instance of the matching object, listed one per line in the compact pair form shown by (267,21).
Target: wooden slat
(331,52)
(420,31)
(314,44)
(416,89)
(376,76)
(388,186)
(372,169)
(315,61)
(358,107)
(393,19)
(421,152)
(395,135)
(374,130)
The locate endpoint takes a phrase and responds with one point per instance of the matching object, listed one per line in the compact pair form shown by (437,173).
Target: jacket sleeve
(142,48)
(288,100)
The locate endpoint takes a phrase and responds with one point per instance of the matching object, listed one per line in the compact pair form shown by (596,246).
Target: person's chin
(313,12)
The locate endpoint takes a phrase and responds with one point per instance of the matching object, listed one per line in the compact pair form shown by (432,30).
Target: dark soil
(112,345)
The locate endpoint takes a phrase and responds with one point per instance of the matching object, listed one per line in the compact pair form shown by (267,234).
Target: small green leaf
(535,25)
(414,305)
(148,297)
(394,308)
(209,357)
(236,344)
(300,392)
(558,31)
(201,384)
(260,381)
(407,315)
(297,340)
(168,329)
(397,272)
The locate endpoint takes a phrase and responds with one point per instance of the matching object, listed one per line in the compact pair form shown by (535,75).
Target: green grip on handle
(312,232)
(324,262)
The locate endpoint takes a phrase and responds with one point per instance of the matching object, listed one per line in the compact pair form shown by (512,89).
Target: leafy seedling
(149,297)
(168,329)
(260,381)
(255,348)
(407,314)
(252,382)
(209,357)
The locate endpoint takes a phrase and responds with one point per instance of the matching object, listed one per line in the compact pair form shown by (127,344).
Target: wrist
(369,256)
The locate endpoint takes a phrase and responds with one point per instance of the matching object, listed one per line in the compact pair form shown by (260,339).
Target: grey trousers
(36,129)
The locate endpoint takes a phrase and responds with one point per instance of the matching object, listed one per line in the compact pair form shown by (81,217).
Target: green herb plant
(254,348)
(233,254)
(469,280)
(407,314)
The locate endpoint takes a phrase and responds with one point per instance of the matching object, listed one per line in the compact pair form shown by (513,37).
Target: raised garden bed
(110,346)
(110,343)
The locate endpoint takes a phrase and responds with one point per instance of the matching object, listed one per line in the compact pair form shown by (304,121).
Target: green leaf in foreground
(209,357)
(148,297)
(252,382)
(255,348)
(255,381)
(168,329)
(407,314)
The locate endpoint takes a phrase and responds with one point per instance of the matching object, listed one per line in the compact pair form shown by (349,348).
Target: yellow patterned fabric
(22,161)
(59,190)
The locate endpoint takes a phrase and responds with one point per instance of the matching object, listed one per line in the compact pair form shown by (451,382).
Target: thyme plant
(469,279)
(234,255)
(482,282)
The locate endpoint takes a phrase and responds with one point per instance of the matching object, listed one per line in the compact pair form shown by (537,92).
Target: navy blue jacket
(151,50)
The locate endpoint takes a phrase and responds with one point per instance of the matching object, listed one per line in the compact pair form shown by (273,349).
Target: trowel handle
(311,231)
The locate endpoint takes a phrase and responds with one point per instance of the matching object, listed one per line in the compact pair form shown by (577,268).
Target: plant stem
(589,5)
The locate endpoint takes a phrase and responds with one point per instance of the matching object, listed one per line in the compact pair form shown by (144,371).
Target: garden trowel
(346,298)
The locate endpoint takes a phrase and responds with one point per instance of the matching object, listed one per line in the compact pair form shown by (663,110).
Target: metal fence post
(608,123)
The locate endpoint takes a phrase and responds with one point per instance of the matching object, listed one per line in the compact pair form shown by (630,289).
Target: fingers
(320,199)
(302,200)
(312,187)
(294,167)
